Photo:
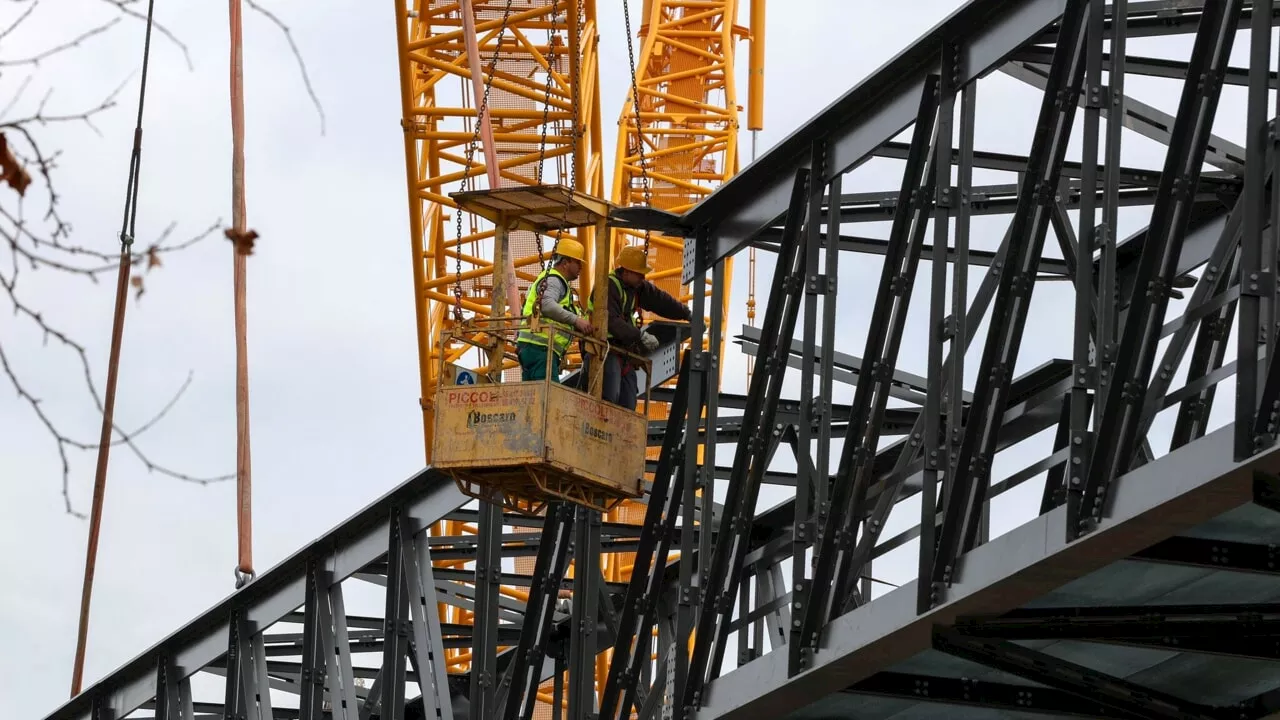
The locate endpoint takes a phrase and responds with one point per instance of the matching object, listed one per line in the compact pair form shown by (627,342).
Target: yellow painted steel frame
(438,127)
(438,117)
(688,124)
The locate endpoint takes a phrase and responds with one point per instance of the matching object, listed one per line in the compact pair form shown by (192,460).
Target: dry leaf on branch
(11,171)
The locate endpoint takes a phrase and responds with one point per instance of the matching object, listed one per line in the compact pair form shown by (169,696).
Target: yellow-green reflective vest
(632,316)
(566,302)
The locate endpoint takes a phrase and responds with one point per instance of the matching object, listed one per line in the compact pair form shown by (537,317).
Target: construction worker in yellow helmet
(629,293)
(552,292)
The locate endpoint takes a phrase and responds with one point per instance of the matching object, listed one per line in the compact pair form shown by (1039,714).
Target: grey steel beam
(832,573)
(1107,265)
(1258,328)
(1169,496)
(1144,119)
(1076,435)
(583,645)
(427,497)
(1135,356)
(948,201)
(706,486)
(754,452)
(638,618)
(966,692)
(967,492)
(1131,699)
(396,621)
(810,485)
(767,240)
(518,692)
(905,386)
(859,122)
(1154,67)
(1215,555)
(1211,182)
(691,569)
(1003,200)
(311,677)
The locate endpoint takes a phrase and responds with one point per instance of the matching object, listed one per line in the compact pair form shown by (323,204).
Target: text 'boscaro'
(596,433)
(475,418)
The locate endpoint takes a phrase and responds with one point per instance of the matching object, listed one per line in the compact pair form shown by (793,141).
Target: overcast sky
(331,340)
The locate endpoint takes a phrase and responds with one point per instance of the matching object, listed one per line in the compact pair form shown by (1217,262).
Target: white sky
(331,341)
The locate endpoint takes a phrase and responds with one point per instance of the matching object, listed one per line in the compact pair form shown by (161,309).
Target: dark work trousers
(620,388)
(533,363)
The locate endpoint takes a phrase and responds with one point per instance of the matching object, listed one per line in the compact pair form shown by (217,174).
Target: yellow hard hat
(571,249)
(633,258)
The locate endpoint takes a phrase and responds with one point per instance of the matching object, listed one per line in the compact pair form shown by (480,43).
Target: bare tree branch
(302,66)
(8,284)
(44,242)
(73,43)
(14,25)
(42,239)
(123,7)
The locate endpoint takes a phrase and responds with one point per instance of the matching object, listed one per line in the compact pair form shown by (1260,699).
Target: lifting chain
(552,41)
(575,76)
(465,183)
(574,125)
(645,182)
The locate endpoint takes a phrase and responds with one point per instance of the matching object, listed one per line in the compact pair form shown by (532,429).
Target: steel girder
(1195,484)
(799,574)
(1122,290)
(236,638)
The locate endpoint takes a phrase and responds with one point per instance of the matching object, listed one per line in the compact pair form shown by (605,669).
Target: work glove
(650,342)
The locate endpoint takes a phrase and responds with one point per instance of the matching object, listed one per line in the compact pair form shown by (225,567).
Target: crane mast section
(531,106)
(688,121)
(538,59)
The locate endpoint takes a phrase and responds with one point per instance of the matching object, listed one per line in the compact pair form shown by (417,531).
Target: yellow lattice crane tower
(537,61)
(528,52)
(503,93)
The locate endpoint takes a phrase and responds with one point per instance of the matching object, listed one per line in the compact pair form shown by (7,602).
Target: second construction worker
(629,293)
(557,307)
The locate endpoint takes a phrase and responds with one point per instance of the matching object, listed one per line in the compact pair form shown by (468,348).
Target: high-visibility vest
(531,298)
(628,303)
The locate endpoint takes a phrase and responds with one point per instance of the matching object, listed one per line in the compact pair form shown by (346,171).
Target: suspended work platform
(539,208)
(525,444)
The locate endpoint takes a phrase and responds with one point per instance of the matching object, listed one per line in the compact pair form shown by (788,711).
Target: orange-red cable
(242,246)
(128,227)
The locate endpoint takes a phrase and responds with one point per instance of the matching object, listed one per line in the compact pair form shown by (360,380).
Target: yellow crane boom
(531,66)
(539,63)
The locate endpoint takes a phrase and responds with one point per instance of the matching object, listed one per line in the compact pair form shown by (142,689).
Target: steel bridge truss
(733,611)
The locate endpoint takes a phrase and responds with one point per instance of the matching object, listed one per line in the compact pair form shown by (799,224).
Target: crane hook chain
(543,262)
(574,129)
(645,183)
(466,183)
